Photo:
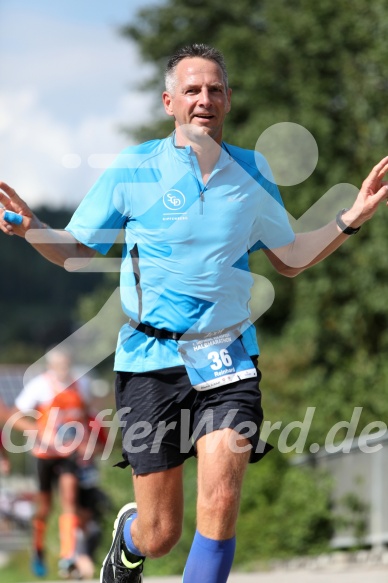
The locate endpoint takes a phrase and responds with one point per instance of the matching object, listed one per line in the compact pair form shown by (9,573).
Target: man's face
(199,96)
(60,365)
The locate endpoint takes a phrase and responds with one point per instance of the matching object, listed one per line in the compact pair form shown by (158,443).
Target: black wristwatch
(346,229)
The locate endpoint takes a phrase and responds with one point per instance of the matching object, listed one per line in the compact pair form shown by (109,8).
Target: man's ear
(229,99)
(167,102)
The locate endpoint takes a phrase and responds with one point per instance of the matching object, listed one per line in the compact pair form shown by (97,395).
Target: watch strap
(346,229)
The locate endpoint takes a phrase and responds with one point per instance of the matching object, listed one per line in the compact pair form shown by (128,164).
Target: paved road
(360,575)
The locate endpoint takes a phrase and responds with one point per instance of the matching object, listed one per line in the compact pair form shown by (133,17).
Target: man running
(192,207)
(61,405)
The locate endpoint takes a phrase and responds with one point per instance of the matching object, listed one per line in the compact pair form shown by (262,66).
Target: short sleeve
(271,228)
(85,389)
(105,209)
(27,399)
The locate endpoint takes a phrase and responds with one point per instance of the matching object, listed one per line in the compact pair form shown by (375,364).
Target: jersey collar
(185,153)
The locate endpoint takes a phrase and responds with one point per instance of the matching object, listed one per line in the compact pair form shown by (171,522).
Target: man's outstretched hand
(374,190)
(55,245)
(13,203)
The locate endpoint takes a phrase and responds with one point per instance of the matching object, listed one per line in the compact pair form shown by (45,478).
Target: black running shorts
(162,416)
(50,469)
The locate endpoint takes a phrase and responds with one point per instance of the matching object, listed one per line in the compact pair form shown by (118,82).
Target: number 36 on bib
(217,361)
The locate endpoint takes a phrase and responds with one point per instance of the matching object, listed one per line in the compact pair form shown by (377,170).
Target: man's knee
(43,507)
(219,499)
(158,538)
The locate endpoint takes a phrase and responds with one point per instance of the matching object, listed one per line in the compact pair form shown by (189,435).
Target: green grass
(18,569)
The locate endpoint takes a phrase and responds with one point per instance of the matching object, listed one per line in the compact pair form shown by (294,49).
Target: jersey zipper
(201,201)
(200,190)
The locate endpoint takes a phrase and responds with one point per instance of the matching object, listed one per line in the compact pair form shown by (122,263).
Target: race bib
(216,361)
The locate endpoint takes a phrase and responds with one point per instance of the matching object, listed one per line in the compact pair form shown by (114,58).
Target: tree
(37,314)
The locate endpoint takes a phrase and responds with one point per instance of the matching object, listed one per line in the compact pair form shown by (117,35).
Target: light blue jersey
(185,257)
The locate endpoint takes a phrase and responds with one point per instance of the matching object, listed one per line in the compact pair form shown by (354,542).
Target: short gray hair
(55,351)
(189,52)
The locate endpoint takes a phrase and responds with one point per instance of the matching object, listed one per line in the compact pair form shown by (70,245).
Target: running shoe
(119,565)
(38,565)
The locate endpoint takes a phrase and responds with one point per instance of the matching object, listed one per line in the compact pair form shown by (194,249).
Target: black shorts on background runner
(49,470)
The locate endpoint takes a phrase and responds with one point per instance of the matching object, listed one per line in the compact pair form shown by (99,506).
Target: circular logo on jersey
(174,200)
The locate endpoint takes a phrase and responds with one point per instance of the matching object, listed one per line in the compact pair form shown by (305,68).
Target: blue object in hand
(12,217)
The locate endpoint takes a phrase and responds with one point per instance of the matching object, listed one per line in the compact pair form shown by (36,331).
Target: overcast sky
(68,80)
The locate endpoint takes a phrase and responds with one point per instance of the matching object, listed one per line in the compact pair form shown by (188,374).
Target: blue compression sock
(128,537)
(209,561)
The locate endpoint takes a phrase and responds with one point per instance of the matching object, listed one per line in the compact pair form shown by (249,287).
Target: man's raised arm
(55,245)
(310,248)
